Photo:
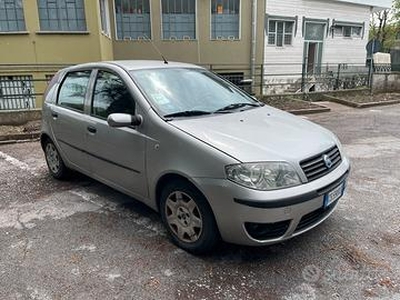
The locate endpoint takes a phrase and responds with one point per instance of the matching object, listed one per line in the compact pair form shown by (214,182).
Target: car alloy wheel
(183,217)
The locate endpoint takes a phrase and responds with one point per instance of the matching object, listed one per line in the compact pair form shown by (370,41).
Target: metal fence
(279,78)
(22,85)
(24,91)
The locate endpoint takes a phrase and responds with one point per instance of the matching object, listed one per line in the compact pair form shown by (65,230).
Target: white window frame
(105,28)
(177,39)
(239,27)
(352,32)
(284,34)
(346,25)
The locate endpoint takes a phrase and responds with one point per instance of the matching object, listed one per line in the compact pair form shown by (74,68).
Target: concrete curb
(309,111)
(19,137)
(360,105)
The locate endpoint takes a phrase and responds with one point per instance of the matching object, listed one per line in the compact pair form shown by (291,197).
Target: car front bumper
(250,217)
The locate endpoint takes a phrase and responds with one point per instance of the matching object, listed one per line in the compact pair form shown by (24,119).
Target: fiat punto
(212,160)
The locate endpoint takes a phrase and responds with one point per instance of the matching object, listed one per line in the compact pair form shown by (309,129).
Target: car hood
(259,134)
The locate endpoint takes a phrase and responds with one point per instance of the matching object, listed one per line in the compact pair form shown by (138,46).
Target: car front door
(68,119)
(117,155)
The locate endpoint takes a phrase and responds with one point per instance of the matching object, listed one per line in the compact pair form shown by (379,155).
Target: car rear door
(117,155)
(68,119)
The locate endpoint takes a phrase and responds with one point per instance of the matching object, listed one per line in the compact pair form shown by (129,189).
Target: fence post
(371,75)
(303,75)
(338,77)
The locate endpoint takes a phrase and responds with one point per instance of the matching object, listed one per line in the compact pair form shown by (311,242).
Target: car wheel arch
(43,139)
(166,178)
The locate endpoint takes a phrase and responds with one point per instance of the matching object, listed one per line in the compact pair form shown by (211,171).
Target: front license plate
(334,195)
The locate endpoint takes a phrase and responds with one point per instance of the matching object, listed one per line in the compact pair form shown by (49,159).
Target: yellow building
(38,37)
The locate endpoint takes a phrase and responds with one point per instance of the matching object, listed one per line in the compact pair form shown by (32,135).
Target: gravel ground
(32,126)
(290,104)
(82,240)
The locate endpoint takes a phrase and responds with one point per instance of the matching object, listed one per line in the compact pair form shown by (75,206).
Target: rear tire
(188,217)
(54,161)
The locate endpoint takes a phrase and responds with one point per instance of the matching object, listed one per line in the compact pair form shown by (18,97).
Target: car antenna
(155,47)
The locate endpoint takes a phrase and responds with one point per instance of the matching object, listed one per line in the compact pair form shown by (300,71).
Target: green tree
(385,26)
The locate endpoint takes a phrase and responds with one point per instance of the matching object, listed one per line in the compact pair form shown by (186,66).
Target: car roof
(130,65)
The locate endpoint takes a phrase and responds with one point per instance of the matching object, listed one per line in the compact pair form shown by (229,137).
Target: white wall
(336,50)
(375,3)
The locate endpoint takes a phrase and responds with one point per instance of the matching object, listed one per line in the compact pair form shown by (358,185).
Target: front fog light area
(263,176)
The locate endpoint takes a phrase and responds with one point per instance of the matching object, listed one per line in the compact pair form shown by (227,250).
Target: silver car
(212,160)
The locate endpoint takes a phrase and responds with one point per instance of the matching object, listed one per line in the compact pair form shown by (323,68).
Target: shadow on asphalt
(224,252)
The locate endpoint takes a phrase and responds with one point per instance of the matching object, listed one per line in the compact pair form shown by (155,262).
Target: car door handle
(92,129)
(54,114)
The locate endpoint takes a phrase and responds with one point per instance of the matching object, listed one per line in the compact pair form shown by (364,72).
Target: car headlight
(263,176)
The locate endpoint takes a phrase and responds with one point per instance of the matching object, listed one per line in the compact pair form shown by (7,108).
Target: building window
(133,19)
(11,16)
(280,33)
(179,19)
(225,19)
(348,31)
(17,92)
(62,15)
(314,31)
(105,17)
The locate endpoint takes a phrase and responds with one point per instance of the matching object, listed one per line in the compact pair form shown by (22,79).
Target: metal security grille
(11,16)
(315,167)
(179,19)
(225,19)
(133,19)
(62,15)
(17,92)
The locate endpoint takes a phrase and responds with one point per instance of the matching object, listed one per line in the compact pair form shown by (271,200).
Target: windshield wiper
(234,106)
(188,113)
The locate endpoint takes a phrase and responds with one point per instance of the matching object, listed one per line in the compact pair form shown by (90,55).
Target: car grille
(314,217)
(266,231)
(316,167)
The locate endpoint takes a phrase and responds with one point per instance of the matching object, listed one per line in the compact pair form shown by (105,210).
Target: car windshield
(185,92)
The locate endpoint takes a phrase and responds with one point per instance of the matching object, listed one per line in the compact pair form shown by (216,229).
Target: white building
(312,36)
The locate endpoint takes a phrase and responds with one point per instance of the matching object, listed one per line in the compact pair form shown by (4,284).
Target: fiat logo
(328,162)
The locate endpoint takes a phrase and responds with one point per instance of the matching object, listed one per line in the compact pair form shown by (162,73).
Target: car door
(117,155)
(68,119)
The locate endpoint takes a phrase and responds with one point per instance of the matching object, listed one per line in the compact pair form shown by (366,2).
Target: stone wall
(386,82)
(19,117)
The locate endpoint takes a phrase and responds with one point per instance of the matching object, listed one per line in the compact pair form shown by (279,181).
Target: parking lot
(82,240)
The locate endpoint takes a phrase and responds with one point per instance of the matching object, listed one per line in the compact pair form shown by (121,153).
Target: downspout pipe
(253,46)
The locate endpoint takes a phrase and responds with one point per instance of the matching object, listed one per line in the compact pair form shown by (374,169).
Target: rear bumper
(249,217)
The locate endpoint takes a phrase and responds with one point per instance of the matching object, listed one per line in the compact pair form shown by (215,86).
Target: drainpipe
(253,46)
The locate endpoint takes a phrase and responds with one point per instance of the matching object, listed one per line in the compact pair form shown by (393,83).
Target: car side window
(73,90)
(111,96)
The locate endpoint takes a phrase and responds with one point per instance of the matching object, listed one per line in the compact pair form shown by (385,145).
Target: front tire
(54,161)
(188,217)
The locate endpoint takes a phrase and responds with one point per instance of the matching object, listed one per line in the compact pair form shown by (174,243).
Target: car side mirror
(124,120)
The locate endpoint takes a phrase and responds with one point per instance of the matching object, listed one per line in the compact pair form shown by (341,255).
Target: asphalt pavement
(79,239)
